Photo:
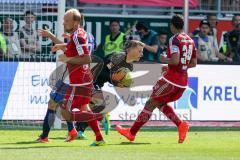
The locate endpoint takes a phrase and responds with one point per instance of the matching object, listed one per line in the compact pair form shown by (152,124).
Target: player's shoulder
(118,56)
(80,33)
(185,38)
(174,40)
(80,36)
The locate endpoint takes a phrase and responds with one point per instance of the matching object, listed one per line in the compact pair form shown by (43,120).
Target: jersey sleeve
(81,44)
(174,46)
(96,70)
(115,60)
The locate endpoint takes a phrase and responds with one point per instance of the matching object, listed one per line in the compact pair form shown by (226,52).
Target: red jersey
(78,46)
(183,45)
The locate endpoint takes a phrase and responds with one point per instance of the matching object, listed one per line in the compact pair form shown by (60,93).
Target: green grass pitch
(149,145)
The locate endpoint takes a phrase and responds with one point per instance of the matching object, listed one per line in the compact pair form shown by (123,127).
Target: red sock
(170,114)
(86,116)
(143,117)
(96,129)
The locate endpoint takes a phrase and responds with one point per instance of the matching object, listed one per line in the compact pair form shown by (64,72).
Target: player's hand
(164,68)
(118,76)
(45,32)
(120,85)
(57,47)
(63,58)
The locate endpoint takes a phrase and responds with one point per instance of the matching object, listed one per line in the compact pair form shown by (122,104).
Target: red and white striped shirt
(78,46)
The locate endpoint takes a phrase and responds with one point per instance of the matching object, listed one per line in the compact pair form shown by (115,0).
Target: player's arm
(193,61)
(96,70)
(61,46)
(174,52)
(198,55)
(83,56)
(78,60)
(174,60)
(48,34)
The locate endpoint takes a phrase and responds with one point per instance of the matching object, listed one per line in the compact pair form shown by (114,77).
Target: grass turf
(149,145)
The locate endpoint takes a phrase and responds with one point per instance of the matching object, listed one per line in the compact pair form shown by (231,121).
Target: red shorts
(165,92)
(78,96)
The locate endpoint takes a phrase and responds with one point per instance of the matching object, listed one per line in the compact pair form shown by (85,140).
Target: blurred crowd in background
(25,44)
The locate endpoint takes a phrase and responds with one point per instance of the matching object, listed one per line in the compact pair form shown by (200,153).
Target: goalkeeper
(115,70)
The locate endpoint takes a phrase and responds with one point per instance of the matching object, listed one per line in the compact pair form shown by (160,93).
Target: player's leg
(72,132)
(96,105)
(81,127)
(70,125)
(66,107)
(156,100)
(56,97)
(143,117)
(98,96)
(85,115)
(48,121)
(94,126)
(168,111)
(106,123)
(163,93)
(173,93)
(83,99)
(183,126)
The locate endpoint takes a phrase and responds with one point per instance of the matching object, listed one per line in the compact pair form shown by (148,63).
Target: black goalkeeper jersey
(103,70)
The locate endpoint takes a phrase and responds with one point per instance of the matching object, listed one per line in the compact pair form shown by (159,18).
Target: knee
(161,106)
(66,114)
(52,105)
(97,102)
(151,104)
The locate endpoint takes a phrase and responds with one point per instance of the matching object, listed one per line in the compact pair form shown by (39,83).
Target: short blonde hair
(76,14)
(133,44)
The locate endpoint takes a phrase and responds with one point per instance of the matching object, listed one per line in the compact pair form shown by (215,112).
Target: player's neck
(129,58)
(74,29)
